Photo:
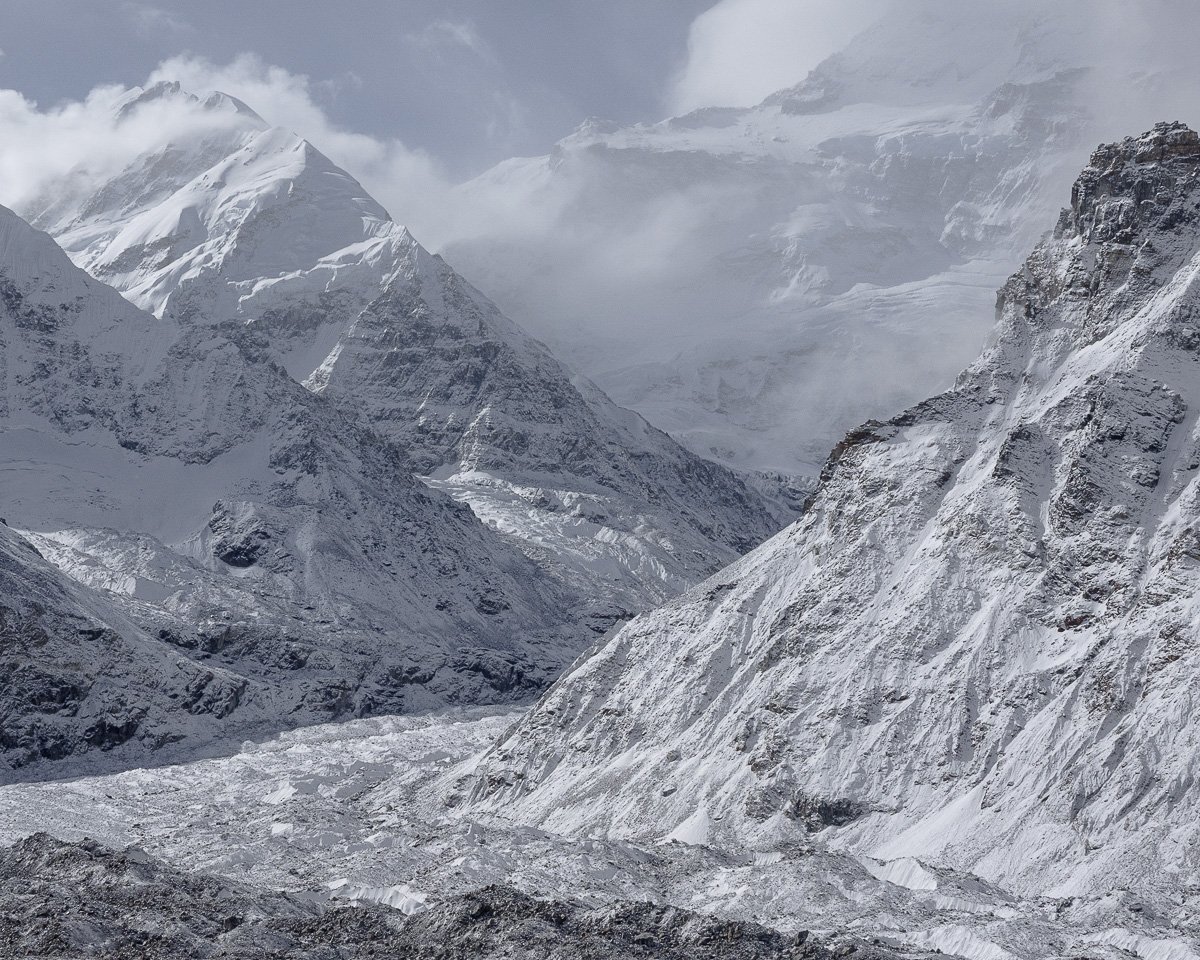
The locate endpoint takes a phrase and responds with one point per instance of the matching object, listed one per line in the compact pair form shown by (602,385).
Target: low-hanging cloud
(88,141)
(621,259)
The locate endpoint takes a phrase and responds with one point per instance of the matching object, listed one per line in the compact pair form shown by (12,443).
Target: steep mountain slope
(115,681)
(251,224)
(244,521)
(979,645)
(786,271)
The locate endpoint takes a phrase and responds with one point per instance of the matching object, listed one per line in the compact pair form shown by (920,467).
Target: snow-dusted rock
(979,646)
(251,224)
(77,674)
(60,899)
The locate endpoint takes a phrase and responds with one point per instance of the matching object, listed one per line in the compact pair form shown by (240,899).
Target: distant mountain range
(758,281)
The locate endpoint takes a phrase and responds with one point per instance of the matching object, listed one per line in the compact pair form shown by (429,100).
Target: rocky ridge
(60,900)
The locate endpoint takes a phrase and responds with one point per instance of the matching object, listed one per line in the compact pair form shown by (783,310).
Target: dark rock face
(500,922)
(65,900)
(237,541)
(816,813)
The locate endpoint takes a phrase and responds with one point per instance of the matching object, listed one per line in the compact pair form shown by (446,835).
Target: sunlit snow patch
(904,872)
(1145,947)
(693,831)
(401,897)
(959,941)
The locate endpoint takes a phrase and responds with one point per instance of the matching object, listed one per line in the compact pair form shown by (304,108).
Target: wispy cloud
(740,51)
(153,22)
(443,35)
(87,142)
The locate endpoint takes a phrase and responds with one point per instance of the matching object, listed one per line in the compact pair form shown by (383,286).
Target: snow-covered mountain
(249,223)
(978,647)
(272,547)
(788,270)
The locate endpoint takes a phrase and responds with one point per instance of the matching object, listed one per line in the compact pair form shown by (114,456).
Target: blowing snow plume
(81,145)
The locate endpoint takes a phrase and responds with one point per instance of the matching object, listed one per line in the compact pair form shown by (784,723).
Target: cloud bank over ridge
(616,269)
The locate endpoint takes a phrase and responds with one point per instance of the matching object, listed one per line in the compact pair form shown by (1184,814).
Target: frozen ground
(368,811)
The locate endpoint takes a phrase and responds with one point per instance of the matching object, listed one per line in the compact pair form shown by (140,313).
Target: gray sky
(469,81)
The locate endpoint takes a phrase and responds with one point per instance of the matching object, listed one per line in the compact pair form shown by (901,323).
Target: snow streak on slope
(251,224)
(241,521)
(978,647)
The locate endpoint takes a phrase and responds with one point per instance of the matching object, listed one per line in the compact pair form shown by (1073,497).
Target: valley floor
(366,811)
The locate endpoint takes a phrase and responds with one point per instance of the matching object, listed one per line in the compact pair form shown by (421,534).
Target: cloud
(154,22)
(443,34)
(85,141)
(409,182)
(740,51)
(78,141)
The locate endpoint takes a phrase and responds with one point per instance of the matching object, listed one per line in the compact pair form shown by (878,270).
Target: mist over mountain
(855,224)
(656,235)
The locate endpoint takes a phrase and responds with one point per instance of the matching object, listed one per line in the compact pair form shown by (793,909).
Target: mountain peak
(258,226)
(1134,184)
(167,90)
(224,102)
(1168,140)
